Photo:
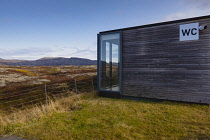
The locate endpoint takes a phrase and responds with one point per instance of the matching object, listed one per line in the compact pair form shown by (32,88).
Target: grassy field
(87,116)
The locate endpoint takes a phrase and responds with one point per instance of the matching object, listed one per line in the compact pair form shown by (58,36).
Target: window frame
(99,61)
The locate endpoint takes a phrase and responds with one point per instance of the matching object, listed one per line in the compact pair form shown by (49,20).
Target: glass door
(109,64)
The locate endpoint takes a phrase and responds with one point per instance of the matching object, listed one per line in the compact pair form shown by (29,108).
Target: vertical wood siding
(157,65)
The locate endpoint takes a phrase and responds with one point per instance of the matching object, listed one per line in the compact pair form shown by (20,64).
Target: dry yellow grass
(59,105)
(26,72)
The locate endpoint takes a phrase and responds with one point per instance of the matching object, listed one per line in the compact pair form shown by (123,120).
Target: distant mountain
(51,61)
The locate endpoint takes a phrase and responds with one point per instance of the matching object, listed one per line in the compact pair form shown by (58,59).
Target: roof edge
(158,24)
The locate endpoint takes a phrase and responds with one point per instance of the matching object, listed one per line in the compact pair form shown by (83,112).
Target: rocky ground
(31,75)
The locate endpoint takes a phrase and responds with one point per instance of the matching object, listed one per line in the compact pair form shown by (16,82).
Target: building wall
(157,65)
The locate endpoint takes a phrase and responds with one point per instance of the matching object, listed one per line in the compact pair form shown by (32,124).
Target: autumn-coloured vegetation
(21,86)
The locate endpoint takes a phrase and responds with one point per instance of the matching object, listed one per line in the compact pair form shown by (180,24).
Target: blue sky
(32,29)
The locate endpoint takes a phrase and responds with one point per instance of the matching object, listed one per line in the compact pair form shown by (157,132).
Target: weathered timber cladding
(155,64)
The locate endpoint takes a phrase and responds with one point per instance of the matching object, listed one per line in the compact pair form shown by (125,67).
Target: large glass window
(109,62)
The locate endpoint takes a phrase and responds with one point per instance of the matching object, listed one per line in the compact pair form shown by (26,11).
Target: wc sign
(189,32)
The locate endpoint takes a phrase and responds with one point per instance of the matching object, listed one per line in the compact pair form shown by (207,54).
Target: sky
(32,29)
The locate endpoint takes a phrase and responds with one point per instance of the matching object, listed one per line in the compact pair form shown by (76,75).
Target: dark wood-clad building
(169,61)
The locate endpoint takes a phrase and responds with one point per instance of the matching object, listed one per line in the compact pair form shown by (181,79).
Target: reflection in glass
(109,63)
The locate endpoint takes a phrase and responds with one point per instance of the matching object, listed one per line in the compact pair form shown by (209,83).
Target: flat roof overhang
(158,24)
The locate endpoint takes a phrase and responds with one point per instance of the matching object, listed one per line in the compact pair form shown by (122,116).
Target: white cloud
(199,4)
(85,53)
(193,8)
(56,51)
